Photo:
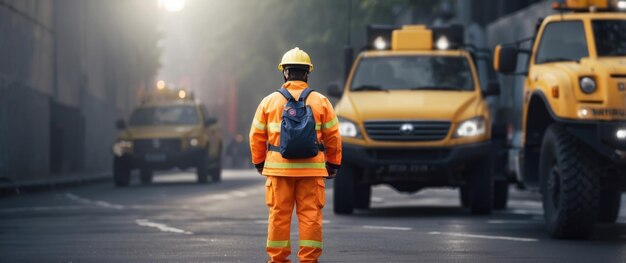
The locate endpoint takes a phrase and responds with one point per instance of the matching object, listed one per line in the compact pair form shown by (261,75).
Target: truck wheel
(569,185)
(362,196)
(121,171)
(481,186)
(610,202)
(202,170)
(146,176)
(464,196)
(500,194)
(216,173)
(343,191)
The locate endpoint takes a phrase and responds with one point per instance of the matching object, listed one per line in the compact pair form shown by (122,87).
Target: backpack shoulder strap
(286,94)
(305,94)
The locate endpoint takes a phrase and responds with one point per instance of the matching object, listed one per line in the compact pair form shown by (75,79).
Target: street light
(172,6)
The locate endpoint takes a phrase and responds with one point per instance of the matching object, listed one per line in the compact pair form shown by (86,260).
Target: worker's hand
(259,167)
(332,172)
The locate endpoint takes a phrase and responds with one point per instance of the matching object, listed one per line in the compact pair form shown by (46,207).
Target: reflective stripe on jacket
(266,130)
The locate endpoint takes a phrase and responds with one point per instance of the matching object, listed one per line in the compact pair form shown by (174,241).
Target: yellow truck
(168,130)
(413,115)
(574,113)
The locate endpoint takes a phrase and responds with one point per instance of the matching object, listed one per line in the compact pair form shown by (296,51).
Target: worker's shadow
(413,211)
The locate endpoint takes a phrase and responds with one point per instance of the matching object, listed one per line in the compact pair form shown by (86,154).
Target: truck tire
(216,172)
(481,186)
(500,194)
(464,196)
(146,176)
(569,185)
(343,191)
(121,171)
(610,202)
(362,196)
(202,169)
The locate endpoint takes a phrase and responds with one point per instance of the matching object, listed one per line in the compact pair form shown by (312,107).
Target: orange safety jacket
(266,130)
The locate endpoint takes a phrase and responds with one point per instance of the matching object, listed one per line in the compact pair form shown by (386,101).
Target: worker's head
(296,72)
(295,65)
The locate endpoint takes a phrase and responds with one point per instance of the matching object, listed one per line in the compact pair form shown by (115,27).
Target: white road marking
(388,228)
(93,202)
(220,197)
(499,222)
(239,193)
(377,199)
(161,227)
(524,212)
(528,203)
(520,239)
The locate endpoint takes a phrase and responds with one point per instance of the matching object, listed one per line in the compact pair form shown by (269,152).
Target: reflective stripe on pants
(307,194)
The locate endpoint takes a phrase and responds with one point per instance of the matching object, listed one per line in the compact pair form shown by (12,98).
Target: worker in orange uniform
(295,142)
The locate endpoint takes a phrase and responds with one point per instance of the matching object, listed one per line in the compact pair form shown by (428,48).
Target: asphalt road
(176,220)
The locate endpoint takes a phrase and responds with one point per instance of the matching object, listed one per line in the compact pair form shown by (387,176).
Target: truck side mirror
(120,124)
(210,121)
(334,90)
(493,88)
(505,59)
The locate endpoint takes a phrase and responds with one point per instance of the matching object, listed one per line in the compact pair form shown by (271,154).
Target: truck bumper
(602,136)
(427,166)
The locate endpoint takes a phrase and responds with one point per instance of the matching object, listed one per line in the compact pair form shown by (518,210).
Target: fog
(227,52)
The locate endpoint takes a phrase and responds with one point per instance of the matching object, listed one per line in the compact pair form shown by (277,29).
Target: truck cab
(412,115)
(170,129)
(574,113)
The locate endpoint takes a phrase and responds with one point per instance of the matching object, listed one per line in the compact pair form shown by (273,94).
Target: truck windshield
(562,41)
(610,37)
(413,73)
(167,115)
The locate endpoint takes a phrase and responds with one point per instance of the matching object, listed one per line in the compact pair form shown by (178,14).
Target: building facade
(68,70)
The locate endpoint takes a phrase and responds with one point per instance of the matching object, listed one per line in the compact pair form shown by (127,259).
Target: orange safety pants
(307,193)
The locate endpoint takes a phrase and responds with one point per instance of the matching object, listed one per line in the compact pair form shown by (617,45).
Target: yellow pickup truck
(412,115)
(168,130)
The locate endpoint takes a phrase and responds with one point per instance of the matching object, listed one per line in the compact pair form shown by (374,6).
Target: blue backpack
(298,138)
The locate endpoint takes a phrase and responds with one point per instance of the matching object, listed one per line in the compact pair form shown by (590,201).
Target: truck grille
(144,146)
(407,131)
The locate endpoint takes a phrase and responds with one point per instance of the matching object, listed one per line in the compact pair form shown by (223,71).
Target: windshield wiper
(434,88)
(368,87)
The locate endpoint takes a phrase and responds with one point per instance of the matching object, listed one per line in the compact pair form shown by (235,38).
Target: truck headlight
(587,85)
(348,128)
(621,134)
(122,146)
(472,127)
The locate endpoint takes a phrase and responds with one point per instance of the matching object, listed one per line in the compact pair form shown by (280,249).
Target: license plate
(159,157)
(409,168)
